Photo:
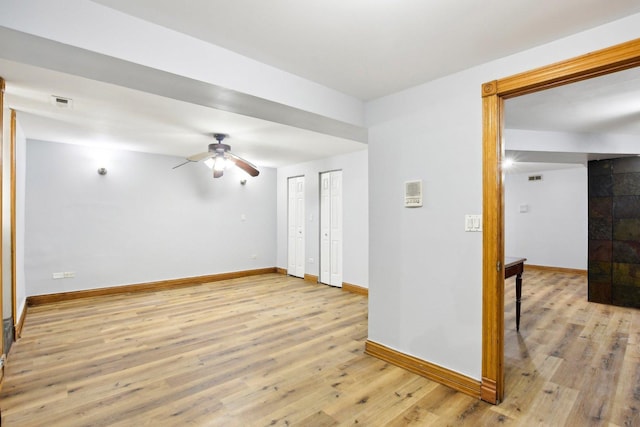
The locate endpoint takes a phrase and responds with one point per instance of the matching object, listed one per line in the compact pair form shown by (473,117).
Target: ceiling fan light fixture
(220,163)
(219,157)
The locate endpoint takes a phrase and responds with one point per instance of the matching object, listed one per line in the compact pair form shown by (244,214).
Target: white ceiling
(607,104)
(365,48)
(371,48)
(111,116)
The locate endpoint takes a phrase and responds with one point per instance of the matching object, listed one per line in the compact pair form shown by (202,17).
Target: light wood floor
(275,350)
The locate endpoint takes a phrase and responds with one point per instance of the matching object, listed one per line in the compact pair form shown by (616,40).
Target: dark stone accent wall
(7,331)
(614,231)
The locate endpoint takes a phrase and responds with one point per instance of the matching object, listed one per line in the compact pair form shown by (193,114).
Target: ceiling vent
(61,102)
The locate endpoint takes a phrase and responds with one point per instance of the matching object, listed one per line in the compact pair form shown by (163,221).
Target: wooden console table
(515,267)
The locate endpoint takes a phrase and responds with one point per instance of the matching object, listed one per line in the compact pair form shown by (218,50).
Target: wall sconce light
(243,181)
(102,171)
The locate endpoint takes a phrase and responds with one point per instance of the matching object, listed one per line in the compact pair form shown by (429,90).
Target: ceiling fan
(222,158)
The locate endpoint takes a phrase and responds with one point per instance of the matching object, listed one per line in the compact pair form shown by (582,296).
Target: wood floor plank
(626,399)
(276,350)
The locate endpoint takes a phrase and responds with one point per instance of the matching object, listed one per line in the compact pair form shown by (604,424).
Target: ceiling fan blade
(182,164)
(243,164)
(217,173)
(201,156)
(250,169)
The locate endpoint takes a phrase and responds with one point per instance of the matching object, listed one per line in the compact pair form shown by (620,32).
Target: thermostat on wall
(413,194)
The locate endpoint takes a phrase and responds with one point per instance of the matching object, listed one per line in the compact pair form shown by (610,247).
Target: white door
(296,230)
(331,228)
(325,227)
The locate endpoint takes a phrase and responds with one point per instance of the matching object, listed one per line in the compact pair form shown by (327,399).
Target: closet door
(296,231)
(331,228)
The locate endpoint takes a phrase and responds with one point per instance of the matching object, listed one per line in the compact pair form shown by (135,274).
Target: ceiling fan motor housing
(219,147)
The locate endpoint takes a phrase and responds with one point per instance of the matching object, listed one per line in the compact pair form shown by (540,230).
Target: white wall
(141,222)
(354,168)
(425,271)
(553,232)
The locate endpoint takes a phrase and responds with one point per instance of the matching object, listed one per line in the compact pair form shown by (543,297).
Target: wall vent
(535,177)
(61,102)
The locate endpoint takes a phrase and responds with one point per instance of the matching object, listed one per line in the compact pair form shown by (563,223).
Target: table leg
(518,298)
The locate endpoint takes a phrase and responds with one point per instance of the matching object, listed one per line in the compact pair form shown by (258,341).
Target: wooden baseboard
(489,391)
(345,286)
(306,278)
(429,370)
(556,269)
(310,278)
(18,327)
(355,289)
(144,287)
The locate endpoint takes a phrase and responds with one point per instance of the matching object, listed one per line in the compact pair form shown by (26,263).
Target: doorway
(616,58)
(295,227)
(331,228)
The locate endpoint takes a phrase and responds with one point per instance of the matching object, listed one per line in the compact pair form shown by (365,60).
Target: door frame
(2,90)
(12,209)
(605,61)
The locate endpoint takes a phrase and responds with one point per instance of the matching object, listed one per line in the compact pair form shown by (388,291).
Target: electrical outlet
(58,275)
(254,256)
(69,274)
